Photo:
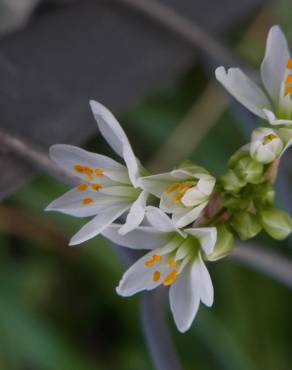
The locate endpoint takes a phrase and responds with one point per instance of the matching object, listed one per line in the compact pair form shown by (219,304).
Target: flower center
(172,275)
(288,81)
(179,189)
(269,138)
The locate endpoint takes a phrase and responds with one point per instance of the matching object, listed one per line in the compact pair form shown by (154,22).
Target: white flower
(174,260)
(266,145)
(107,189)
(273,101)
(183,192)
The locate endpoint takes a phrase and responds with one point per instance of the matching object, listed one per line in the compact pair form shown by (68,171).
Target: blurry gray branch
(167,17)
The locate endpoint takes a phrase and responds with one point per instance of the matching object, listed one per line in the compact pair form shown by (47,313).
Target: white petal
(207,237)
(137,278)
(273,120)
(70,203)
(206,286)
(184,296)
(206,184)
(67,156)
(136,214)
(99,223)
(116,138)
(143,237)
(120,191)
(159,220)
(156,184)
(193,197)
(186,218)
(243,89)
(275,61)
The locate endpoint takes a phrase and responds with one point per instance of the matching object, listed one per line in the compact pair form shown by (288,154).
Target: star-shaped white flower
(273,100)
(183,192)
(107,188)
(175,260)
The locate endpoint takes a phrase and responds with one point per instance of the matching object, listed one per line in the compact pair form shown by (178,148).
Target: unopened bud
(246,225)
(231,182)
(249,170)
(266,145)
(277,223)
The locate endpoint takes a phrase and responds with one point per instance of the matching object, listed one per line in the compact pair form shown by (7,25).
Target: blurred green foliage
(58,306)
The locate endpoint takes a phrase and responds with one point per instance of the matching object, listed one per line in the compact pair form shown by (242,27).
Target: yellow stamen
(156,276)
(99,171)
(288,90)
(78,168)
(96,186)
(171,262)
(87,201)
(156,258)
(288,80)
(170,278)
(172,187)
(149,263)
(269,138)
(177,198)
(289,63)
(82,187)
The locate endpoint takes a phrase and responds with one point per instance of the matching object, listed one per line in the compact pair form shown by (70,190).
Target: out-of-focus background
(58,306)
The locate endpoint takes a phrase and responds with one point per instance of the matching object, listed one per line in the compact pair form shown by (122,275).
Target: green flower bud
(249,170)
(264,194)
(277,223)
(239,154)
(224,244)
(246,225)
(237,203)
(231,182)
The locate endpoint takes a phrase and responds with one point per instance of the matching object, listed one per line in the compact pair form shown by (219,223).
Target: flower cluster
(186,216)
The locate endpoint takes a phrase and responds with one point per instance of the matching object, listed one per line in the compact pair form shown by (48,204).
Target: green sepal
(224,244)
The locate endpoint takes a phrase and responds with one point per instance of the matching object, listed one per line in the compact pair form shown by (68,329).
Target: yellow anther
(82,187)
(156,276)
(170,278)
(78,168)
(177,198)
(288,80)
(87,201)
(172,187)
(288,90)
(149,263)
(96,186)
(156,258)
(269,138)
(171,262)
(98,171)
(184,187)
(289,63)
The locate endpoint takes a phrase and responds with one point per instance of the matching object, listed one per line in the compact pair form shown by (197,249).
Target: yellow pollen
(149,263)
(82,187)
(177,198)
(172,187)
(289,63)
(288,80)
(87,201)
(156,276)
(171,262)
(269,138)
(78,168)
(288,90)
(98,171)
(96,186)
(156,258)
(171,278)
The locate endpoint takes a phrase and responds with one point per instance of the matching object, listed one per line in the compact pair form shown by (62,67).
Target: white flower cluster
(173,214)
(271,101)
